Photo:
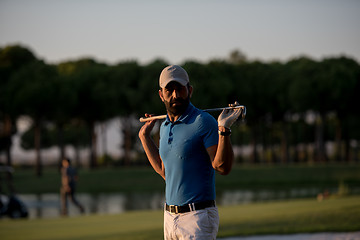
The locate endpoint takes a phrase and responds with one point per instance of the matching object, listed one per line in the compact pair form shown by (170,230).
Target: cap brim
(178,80)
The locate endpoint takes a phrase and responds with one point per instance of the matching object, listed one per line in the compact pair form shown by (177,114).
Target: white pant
(199,224)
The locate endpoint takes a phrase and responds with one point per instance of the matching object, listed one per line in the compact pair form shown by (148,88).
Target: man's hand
(228,117)
(147,127)
(67,189)
(151,150)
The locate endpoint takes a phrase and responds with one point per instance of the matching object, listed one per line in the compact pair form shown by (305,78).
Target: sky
(113,31)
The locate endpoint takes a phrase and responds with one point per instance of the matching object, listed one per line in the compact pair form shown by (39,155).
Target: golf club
(159,117)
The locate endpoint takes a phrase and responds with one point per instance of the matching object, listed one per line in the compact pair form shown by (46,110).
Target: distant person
(68,185)
(192,146)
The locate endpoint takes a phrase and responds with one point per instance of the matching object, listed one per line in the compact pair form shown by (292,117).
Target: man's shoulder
(205,116)
(71,171)
(205,119)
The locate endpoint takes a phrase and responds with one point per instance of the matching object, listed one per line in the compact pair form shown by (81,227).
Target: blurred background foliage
(294,107)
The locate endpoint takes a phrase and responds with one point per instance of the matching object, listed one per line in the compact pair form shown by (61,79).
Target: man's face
(176,97)
(65,163)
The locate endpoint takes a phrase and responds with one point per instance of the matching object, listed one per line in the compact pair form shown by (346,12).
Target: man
(192,146)
(68,183)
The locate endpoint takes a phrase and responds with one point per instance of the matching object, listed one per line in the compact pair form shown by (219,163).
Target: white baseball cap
(173,73)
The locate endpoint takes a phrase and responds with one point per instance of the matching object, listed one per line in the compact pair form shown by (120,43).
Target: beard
(177,106)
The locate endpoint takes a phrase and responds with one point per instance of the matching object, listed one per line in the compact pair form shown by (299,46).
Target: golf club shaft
(159,117)
(223,108)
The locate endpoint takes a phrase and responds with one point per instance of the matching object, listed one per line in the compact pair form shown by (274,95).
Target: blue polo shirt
(189,174)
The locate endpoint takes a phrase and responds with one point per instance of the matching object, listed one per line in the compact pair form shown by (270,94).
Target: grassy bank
(337,214)
(300,216)
(144,179)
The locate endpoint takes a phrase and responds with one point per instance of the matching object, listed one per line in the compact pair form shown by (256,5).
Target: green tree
(254,82)
(125,79)
(63,111)
(237,57)
(32,89)
(277,112)
(199,76)
(93,95)
(306,93)
(324,87)
(341,78)
(149,87)
(12,59)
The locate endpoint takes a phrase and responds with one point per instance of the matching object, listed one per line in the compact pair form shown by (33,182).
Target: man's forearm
(224,157)
(152,153)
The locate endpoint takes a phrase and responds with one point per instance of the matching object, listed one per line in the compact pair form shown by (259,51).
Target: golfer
(192,146)
(68,185)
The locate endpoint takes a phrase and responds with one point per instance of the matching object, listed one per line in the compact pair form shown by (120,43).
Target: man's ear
(190,90)
(161,95)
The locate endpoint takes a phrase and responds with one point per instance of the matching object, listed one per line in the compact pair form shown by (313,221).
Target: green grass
(297,216)
(335,214)
(132,225)
(144,179)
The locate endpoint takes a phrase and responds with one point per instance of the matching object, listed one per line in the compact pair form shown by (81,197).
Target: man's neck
(173,118)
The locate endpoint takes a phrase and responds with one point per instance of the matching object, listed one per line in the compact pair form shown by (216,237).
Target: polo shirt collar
(184,118)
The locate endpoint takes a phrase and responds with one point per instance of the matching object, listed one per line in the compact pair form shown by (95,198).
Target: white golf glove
(229,116)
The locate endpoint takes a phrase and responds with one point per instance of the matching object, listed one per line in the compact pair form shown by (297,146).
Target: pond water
(48,205)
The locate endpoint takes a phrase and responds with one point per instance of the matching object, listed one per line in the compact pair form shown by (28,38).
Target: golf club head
(243,113)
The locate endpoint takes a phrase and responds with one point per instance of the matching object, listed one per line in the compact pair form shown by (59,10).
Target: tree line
(294,107)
